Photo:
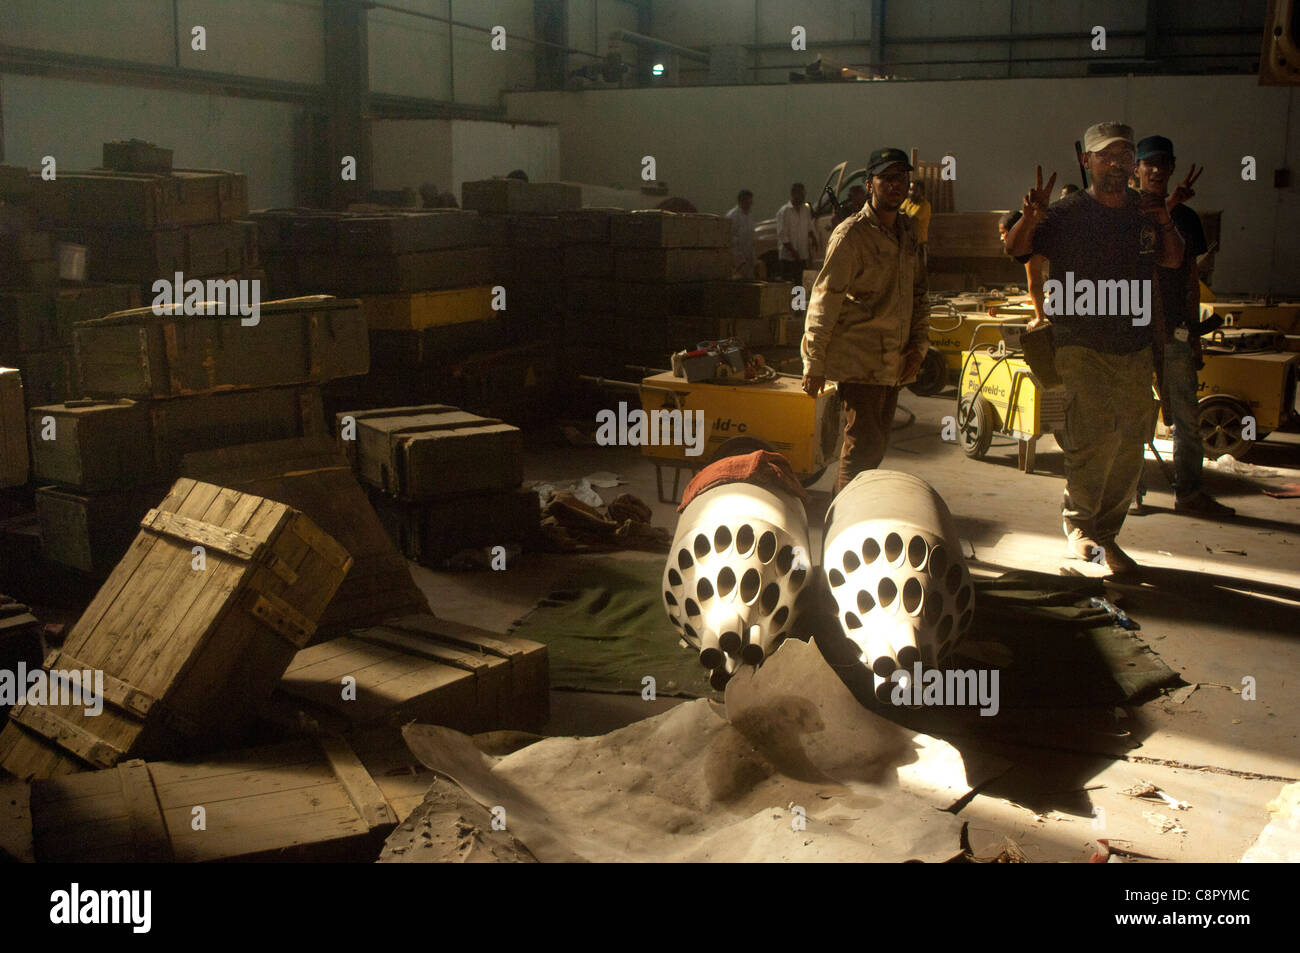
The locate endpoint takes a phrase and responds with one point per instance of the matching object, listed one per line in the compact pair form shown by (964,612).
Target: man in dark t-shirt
(1177,346)
(1104,244)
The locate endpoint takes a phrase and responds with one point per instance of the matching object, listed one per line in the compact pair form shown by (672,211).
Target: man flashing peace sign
(1094,239)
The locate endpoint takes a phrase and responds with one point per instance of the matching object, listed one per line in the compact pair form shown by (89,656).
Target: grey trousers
(1111,417)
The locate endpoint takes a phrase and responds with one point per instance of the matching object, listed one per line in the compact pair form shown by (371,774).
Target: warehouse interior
(416,449)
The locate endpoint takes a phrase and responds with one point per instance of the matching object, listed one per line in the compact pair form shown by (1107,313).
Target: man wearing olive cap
(868,318)
(1106,237)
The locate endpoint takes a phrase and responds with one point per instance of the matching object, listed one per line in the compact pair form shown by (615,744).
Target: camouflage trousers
(1109,420)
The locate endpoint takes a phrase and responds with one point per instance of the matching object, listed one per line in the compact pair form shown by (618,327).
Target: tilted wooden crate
(189,640)
(311,475)
(141,354)
(311,799)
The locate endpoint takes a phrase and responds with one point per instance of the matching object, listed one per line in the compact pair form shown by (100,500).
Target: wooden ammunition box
(311,475)
(191,632)
(655,229)
(425,669)
(311,799)
(515,195)
(136,155)
(415,311)
(144,256)
(141,354)
(441,454)
(417,271)
(99,446)
(141,200)
(92,531)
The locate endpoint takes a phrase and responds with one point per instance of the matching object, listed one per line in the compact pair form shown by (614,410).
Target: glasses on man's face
(896,178)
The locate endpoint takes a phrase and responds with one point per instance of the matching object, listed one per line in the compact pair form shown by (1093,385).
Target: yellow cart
(741,417)
(999,396)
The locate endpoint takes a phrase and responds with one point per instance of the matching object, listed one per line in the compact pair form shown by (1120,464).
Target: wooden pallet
(187,647)
(311,799)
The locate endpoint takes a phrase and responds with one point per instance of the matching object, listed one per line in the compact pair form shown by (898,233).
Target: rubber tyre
(1219,419)
(933,377)
(975,426)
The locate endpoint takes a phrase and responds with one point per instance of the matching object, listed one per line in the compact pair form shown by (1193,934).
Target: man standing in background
(868,324)
(917,208)
(1177,344)
(794,234)
(742,235)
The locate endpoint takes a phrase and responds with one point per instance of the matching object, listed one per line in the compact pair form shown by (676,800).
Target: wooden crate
(737,299)
(587,226)
(144,256)
(422,456)
(49,375)
(141,200)
(671,264)
(425,669)
(515,195)
(401,233)
(435,530)
(414,311)
(416,271)
(311,799)
(91,532)
(656,229)
(100,446)
(14,463)
(136,155)
(188,649)
(141,354)
(312,476)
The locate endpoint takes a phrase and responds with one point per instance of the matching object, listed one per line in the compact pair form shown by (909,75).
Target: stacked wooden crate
(163,385)
(442,480)
(140,221)
(37,310)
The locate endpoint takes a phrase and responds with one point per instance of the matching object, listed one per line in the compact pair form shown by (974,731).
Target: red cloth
(762,467)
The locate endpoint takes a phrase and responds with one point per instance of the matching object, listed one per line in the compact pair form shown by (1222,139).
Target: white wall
(410,152)
(709,142)
(71,121)
(481,150)
(407,152)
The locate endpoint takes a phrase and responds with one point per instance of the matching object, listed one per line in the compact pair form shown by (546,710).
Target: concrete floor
(1220,602)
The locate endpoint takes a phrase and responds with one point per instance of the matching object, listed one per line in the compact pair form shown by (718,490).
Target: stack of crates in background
(161,386)
(442,480)
(436,296)
(37,309)
(754,313)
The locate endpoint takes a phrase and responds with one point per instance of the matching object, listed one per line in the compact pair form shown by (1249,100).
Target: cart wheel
(933,376)
(975,425)
(1220,423)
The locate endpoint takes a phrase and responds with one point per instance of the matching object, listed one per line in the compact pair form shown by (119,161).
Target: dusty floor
(1221,605)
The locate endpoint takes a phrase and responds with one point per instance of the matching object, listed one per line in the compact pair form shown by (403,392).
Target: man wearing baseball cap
(1106,233)
(868,321)
(1176,344)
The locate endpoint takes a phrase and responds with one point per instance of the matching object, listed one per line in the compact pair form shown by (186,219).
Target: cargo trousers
(869,420)
(1110,418)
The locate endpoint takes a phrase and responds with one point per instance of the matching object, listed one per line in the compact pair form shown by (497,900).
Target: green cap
(882,159)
